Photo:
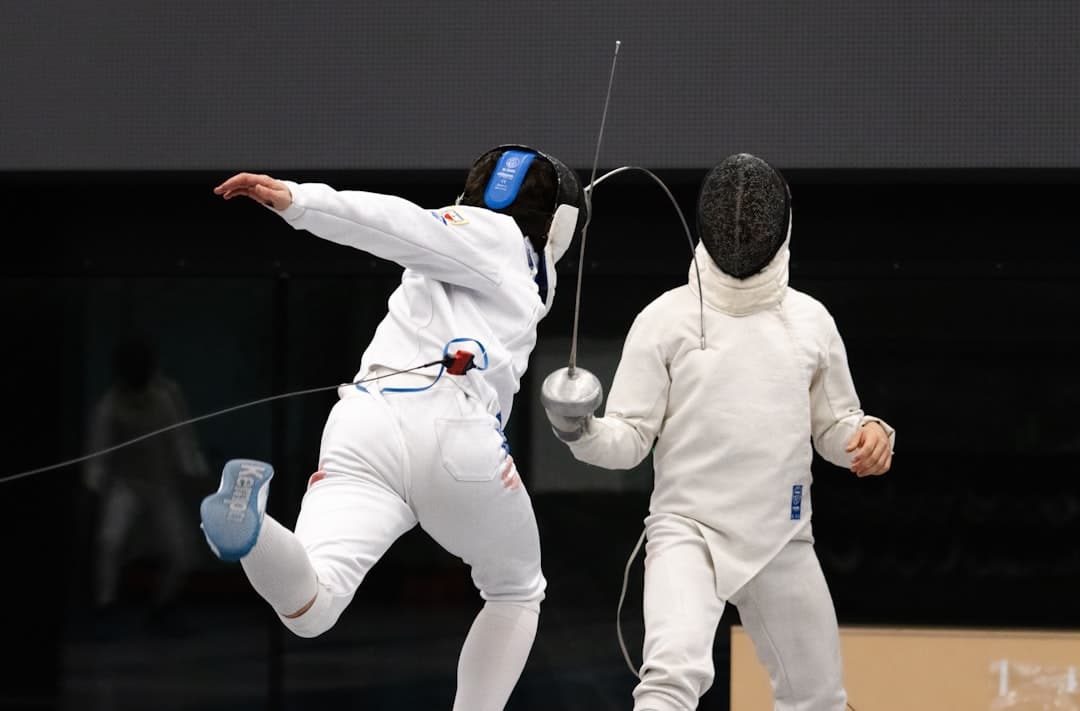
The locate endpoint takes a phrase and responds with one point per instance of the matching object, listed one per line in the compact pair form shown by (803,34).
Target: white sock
(494,655)
(279,569)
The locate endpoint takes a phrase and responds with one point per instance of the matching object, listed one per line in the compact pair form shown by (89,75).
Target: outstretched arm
(469,248)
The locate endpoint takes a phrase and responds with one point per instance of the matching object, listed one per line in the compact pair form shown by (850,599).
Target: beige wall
(896,669)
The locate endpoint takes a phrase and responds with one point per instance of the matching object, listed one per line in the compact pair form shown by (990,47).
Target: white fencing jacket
(469,273)
(733,424)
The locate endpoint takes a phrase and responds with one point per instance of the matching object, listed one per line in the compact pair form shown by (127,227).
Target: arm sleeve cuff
(295,210)
(887,427)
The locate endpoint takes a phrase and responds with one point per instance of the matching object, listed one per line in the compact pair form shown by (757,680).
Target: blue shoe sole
(232,516)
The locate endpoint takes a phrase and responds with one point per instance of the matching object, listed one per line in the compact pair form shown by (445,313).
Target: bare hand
(261,188)
(873,452)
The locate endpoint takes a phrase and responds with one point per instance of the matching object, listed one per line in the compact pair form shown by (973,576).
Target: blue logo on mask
(506,180)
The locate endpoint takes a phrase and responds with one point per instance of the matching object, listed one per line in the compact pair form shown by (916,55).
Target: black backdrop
(956,293)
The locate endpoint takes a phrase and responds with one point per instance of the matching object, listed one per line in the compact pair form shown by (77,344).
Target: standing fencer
(427,446)
(143,484)
(735,413)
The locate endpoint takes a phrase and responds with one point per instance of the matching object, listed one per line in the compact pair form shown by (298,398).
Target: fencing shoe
(232,516)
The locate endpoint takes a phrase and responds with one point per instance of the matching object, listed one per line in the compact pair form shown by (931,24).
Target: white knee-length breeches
(396,459)
(786,610)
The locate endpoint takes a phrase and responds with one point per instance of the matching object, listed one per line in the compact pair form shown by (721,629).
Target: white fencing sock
(494,655)
(279,569)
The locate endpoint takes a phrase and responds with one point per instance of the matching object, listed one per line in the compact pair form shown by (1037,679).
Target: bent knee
(528,593)
(513,606)
(322,615)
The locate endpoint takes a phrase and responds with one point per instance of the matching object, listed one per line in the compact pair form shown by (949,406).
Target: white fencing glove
(568,429)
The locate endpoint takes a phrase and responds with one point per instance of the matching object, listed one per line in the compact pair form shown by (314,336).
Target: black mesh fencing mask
(743,213)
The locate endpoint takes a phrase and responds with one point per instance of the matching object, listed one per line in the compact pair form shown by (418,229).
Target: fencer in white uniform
(143,484)
(731,426)
(424,447)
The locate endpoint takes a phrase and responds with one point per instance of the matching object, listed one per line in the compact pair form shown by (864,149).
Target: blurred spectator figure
(141,511)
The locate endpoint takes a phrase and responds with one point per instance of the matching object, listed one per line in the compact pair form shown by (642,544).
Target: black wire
(295,393)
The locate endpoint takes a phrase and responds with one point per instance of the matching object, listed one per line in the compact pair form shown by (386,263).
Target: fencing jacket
(467,275)
(733,424)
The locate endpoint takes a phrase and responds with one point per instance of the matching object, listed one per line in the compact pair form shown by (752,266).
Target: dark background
(955,292)
(934,155)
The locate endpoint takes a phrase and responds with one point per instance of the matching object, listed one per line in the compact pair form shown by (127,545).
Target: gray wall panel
(119,85)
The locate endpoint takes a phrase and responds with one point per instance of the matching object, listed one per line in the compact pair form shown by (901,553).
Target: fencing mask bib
(743,213)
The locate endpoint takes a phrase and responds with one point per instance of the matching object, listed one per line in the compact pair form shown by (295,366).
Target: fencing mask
(498,177)
(743,213)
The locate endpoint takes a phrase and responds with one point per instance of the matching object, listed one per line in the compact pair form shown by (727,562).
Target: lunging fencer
(426,446)
(736,380)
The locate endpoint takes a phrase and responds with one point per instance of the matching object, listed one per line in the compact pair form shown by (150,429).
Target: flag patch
(449,217)
(453,217)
